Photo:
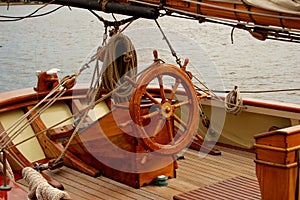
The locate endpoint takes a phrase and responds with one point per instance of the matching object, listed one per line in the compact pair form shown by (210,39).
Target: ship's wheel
(172,119)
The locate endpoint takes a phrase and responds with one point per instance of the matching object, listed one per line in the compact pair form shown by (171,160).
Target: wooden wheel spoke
(144,117)
(178,105)
(170,129)
(161,88)
(182,123)
(175,87)
(147,94)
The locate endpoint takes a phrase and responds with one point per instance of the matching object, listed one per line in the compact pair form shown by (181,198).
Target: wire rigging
(260,32)
(31,15)
(260,91)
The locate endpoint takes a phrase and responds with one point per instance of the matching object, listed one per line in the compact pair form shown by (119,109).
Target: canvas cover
(284,6)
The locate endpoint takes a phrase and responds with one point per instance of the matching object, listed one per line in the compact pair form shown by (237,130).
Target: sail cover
(284,6)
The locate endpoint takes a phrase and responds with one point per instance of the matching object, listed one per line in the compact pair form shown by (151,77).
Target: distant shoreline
(20,3)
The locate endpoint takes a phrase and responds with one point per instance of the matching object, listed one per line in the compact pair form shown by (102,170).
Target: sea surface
(67,38)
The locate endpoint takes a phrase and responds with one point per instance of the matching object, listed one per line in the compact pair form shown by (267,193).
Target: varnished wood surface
(234,188)
(193,172)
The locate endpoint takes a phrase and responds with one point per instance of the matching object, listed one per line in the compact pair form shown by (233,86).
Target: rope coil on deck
(40,189)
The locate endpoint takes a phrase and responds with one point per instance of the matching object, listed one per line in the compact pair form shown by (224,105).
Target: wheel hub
(167,110)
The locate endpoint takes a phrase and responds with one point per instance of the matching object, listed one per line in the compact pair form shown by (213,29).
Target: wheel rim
(175,105)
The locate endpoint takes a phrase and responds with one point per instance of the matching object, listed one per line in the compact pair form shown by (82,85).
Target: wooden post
(277,163)
(4,186)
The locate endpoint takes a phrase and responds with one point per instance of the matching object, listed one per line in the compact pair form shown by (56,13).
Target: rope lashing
(234,102)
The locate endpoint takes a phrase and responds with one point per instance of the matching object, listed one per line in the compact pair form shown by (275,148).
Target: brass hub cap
(167,110)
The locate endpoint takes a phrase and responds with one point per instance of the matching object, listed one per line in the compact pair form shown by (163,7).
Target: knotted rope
(39,188)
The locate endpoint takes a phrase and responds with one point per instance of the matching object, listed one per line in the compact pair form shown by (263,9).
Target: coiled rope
(39,188)
(234,101)
(120,59)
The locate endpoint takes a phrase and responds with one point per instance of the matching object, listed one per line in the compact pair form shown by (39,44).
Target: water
(66,39)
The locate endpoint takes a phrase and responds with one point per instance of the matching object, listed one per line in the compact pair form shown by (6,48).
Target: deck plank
(193,172)
(235,188)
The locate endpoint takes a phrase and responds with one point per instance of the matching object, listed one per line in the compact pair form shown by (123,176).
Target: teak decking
(193,173)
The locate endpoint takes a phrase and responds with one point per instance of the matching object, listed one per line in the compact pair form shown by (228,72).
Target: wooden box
(277,161)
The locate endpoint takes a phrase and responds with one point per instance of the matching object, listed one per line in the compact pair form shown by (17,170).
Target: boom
(262,22)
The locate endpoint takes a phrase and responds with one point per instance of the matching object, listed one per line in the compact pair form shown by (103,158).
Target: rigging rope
(120,53)
(119,59)
(22,127)
(31,15)
(62,155)
(205,120)
(90,106)
(114,60)
(66,83)
(18,123)
(178,61)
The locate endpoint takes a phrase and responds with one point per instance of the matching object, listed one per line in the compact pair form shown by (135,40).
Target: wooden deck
(193,173)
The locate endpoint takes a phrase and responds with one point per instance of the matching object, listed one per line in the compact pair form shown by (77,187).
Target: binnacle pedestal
(139,140)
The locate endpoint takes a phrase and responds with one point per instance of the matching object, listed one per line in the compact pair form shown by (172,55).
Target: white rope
(95,82)
(21,119)
(66,83)
(12,136)
(234,101)
(119,60)
(39,187)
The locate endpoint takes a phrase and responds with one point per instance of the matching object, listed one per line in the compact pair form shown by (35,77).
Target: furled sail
(257,12)
(283,6)
(280,13)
